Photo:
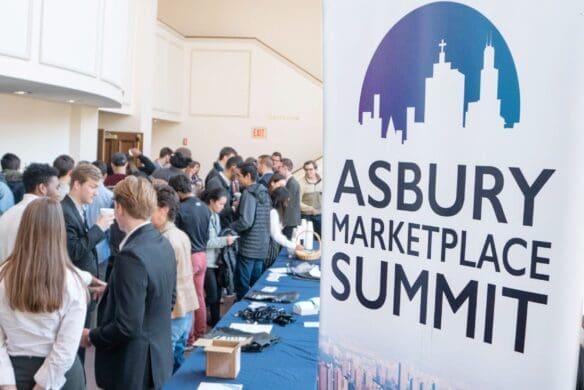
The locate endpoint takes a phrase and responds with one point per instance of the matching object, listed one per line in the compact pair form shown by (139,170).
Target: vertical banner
(452,254)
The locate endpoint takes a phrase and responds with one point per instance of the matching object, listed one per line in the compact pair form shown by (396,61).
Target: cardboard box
(223,358)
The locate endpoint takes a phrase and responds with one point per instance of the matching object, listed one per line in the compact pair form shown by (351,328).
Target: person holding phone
(215,199)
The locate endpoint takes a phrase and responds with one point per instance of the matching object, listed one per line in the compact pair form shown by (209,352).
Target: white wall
(37,130)
(232,86)
(291,27)
(78,47)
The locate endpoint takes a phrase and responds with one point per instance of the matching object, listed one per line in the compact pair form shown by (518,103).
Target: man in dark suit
(133,338)
(82,240)
(292,213)
(219,166)
(223,180)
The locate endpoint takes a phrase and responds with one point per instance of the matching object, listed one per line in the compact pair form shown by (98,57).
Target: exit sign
(259,132)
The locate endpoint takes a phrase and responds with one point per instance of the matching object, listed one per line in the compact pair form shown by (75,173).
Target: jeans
(247,272)
(199,327)
(180,328)
(316,221)
(213,296)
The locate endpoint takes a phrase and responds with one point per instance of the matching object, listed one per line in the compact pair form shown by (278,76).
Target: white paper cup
(106,212)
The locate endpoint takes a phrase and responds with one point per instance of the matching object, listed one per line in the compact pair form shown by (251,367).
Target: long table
(289,364)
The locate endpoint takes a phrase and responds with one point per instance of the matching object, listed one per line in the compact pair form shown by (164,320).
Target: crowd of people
(129,258)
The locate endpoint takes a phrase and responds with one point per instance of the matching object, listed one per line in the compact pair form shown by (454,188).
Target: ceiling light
(70,101)
(21,92)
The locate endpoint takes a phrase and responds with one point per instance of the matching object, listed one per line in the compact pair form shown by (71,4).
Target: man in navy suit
(133,337)
(82,240)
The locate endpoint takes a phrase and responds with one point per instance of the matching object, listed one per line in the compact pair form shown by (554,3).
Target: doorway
(110,142)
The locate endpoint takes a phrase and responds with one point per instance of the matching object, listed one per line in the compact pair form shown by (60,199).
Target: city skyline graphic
(443,76)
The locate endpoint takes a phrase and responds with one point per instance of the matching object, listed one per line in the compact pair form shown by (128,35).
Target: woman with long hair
(215,199)
(43,301)
(276,181)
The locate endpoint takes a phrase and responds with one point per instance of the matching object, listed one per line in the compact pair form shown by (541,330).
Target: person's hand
(135,152)
(8,387)
(299,247)
(37,387)
(230,239)
(85,342)
(97,288)
(104,221)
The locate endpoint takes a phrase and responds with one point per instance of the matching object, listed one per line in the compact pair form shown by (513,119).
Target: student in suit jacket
(81,240)
(133,338)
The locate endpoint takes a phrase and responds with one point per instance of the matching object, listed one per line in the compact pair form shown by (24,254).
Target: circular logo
(443,64)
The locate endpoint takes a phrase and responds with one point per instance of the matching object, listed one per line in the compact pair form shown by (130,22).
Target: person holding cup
(82,239)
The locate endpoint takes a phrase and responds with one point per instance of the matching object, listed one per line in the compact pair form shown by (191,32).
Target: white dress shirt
(276,232)
(54,336)
(9,223)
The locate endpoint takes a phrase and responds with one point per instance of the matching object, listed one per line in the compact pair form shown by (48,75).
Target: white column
(83,133)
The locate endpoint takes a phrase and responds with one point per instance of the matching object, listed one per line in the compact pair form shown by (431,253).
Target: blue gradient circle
(405,56)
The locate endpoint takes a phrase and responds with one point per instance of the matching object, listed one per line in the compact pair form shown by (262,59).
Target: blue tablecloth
(289,364)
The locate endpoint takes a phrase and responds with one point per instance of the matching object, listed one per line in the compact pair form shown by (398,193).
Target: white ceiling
(293,28)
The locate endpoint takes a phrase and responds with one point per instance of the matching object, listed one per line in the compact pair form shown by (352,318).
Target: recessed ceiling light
(70,101)
(21,92)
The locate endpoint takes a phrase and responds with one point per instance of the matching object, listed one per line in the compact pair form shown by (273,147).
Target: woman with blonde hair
(43,301)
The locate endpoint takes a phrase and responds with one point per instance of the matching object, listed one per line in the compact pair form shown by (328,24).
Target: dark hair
(179,160)
(36,174)
(101,165)
(64,164)
(252,160)
(310,162)
(233,162)
(288,164)
(166,196)
(280,198)
(10,161)
(166,151)
(186,152)
(277,154)
(248,169)
(226,151)
(119,159)
(181,183)
(213,194)
(274,178)
(193,164)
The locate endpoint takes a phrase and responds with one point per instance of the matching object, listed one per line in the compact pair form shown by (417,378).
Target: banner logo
(443,67)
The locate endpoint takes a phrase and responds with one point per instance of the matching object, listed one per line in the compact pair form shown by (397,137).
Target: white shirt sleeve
(276,231)
(51,375)
(86,277)
(6,369)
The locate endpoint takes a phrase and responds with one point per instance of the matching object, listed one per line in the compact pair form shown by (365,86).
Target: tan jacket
(310,195)
(186,297)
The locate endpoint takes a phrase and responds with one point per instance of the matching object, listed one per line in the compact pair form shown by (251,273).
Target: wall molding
(100,20)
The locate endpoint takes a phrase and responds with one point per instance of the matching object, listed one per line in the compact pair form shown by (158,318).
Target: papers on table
(315,272)
(252,328)
(274,277)
(311,324)
(269,289)
(279,270)
(219,386)
(255,305)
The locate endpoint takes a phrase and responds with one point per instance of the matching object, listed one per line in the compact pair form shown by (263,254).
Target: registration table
(289,364)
